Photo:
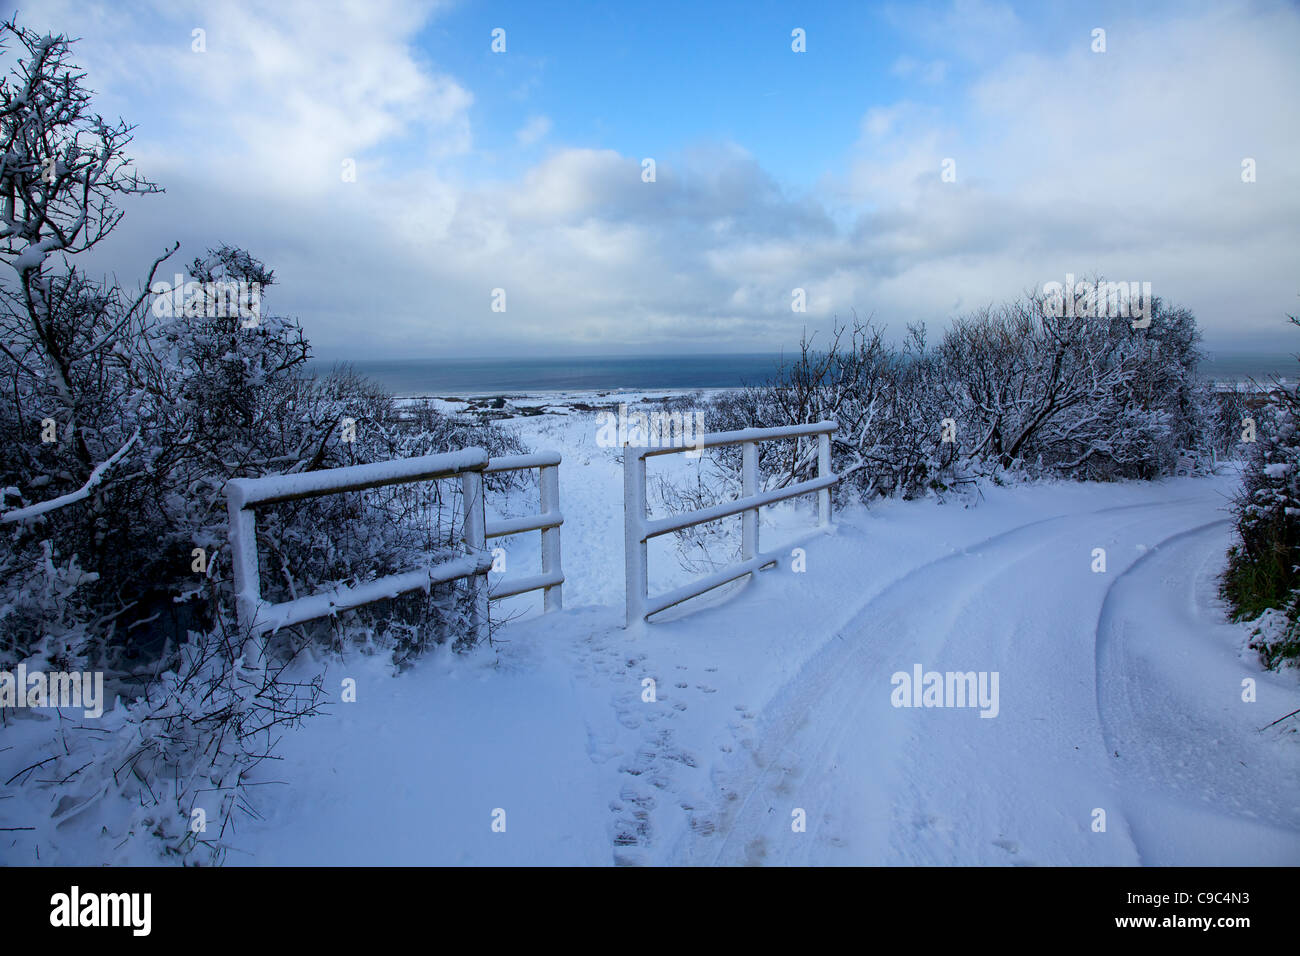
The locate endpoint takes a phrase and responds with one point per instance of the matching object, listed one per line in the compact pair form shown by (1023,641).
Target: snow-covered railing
(551,580)
(257,617)
(639,529)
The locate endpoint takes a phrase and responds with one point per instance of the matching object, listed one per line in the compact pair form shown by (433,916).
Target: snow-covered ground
(1121,735)
(1118,733)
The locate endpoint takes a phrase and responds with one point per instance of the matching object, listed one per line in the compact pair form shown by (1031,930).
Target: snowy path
(1193,760)
(776,697)
(1110,698)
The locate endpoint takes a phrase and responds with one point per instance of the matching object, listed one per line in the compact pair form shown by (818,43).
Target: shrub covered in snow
(1262,580)
(1008,389)
(124,415)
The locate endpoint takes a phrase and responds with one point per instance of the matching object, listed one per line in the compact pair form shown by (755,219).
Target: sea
(440,377)
(489,376)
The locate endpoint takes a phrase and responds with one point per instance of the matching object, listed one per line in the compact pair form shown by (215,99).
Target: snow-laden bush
(1008,389)
(41,606)
(203,398)
(166,772)
(1262,579)
(883,398)
(1221,415)
(1076,396)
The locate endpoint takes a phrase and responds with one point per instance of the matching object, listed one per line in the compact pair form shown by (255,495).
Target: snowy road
(1114,697)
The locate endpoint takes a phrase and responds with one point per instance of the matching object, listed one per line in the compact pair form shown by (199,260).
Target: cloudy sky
(774,169)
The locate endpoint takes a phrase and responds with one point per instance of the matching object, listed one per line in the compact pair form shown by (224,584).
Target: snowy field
(1118,734)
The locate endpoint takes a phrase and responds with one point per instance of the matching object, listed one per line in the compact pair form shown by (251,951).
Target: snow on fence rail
(258,617)
(639,529)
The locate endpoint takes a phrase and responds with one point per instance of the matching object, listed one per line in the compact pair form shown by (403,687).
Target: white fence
(258,617)
(639,529)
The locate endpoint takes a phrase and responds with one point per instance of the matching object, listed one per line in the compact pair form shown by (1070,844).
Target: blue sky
(673,74)
(676,74)
(776,170)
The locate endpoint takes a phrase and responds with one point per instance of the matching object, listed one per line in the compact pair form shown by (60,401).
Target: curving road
(1121,736)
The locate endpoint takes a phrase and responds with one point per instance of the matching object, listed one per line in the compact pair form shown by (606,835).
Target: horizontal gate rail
(310,484)
(639,529)
(726,509)
(276,616)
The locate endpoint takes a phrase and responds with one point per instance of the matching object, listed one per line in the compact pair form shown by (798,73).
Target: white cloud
(281,94)
(930,72)
(1126,162)
(534,130)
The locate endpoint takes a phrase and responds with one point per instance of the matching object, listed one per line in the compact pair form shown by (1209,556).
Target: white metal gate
(258,617)
(639,529)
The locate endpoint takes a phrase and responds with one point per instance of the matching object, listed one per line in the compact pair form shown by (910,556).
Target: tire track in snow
(1168,699)
(1107,620)
(632,837)
(832,683)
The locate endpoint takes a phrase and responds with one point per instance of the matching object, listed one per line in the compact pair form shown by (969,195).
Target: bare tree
(63,169)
